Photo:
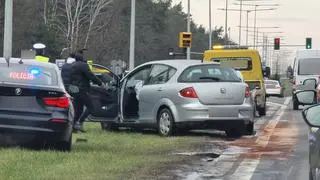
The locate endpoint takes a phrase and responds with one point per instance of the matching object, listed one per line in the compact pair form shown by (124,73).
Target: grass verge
(106,155)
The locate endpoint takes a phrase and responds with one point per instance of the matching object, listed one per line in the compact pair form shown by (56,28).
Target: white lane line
(247,167)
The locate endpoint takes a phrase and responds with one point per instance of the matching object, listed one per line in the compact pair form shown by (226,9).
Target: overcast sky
(298,19)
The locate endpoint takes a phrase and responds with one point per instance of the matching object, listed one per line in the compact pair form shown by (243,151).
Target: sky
(296,19)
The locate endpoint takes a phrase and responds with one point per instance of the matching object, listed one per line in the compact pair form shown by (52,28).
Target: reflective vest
(90,62)
(42,58)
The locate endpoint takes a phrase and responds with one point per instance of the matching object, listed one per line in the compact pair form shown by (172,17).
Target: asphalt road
(278,150)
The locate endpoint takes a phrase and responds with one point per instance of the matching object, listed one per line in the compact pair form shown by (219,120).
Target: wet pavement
(278,150)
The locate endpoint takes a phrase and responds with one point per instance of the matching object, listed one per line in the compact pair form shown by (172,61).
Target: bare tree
(75,19)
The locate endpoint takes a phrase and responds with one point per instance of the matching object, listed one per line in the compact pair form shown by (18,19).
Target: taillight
(248,92)
(58,120)
(61,102)
(188,93)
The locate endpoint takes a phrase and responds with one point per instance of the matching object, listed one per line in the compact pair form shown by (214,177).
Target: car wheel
(250,128)
(235,132)
(64,145)
(310,174)
(295,104)
(107,126)
(165,122)
(262,111)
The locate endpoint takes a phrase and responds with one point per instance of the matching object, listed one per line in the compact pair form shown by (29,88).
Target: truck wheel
(295,104)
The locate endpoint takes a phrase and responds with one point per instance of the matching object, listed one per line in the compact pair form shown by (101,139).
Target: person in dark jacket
(80,76)
(65,71)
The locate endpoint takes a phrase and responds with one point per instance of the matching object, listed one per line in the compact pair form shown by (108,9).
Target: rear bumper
(225,113)
(26,133)
(210,124)
(274,92)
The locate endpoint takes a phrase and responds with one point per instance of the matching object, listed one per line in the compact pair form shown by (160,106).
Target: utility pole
(188,24)
(240,22)
(7,40)
(248,11)
(210,28)
(132,34)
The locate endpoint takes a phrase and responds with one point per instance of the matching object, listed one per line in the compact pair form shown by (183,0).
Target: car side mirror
(311,116)
(306,97)
(310,83)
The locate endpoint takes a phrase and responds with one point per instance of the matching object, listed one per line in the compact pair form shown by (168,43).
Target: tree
(75,19)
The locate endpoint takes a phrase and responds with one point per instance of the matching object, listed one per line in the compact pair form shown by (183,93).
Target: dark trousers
(82,99)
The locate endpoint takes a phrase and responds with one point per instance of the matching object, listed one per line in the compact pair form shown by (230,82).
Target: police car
(34,106)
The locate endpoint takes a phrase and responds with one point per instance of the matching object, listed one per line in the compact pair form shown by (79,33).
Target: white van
(306,66)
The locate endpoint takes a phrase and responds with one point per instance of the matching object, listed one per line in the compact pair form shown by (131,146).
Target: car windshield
(209,73)
(29,75)
(309,66)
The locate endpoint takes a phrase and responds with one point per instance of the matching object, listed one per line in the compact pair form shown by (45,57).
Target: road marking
(247,167)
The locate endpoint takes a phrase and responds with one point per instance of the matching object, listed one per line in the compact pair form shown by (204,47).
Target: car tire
(165,122)
(250,128)
(236,132)
(262,111)
(295,104)
(310,174)
(64,145)
(107,126)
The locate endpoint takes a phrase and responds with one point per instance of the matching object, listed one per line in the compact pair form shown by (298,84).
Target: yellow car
(248,62)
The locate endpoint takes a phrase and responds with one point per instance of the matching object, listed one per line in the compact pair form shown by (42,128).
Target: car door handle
(159,89)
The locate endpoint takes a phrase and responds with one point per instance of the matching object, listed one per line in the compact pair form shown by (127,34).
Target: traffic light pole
(188,24)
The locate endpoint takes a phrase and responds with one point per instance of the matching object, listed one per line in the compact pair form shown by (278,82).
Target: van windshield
(309,66)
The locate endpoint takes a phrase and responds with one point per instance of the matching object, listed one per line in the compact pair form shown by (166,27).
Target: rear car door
(105,101)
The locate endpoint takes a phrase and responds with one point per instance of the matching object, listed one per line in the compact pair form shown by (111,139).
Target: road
(278,150)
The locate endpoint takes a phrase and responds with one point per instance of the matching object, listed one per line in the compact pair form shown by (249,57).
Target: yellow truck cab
(248,62)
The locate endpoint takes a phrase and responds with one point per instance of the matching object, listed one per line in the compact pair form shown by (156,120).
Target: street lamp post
(248,11)
(210,28)
(7,40)
(132,34)
(226,24)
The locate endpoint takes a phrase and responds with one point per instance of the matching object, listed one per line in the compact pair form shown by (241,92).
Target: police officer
(80,76)
(39,48)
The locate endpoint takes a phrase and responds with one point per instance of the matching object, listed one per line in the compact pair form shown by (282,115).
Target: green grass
(106,155)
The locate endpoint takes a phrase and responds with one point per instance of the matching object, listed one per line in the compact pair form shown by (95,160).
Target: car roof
(180,63)
(27,62)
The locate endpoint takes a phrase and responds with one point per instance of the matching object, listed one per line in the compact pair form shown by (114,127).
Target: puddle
(236,150)
(200,154)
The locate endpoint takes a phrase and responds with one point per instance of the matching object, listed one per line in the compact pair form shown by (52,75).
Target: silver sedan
(178,94)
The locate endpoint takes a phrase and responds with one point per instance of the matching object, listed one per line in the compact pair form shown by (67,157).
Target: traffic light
(185,39)
(308,43)
(276,43)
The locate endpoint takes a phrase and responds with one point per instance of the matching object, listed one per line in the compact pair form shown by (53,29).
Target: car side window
(160,74)
(140,76)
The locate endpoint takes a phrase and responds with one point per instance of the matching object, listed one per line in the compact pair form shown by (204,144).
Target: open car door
(105,101)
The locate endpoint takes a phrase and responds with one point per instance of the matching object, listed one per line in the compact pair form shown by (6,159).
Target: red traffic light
(276,43)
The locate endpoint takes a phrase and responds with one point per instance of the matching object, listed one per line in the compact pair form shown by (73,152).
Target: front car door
(105,101)
(131,86)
